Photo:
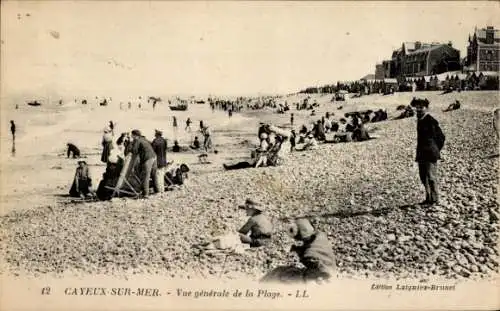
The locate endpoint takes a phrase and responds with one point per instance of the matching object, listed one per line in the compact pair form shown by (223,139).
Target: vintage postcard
(233,155)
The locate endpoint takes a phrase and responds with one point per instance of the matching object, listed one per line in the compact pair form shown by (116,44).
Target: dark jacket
(160,147)
(430,140)
(143,149)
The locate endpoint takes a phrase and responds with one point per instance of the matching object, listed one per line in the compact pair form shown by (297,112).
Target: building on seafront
(379,71)
(483,50)
(421,59)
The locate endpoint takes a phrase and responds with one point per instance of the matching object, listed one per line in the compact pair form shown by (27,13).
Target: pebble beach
(362,195)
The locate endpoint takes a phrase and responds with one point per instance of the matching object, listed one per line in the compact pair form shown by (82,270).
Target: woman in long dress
(107,140)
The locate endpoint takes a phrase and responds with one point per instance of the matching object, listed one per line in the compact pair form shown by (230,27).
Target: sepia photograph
(257,154)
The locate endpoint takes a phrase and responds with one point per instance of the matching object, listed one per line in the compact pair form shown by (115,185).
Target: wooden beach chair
(124,179)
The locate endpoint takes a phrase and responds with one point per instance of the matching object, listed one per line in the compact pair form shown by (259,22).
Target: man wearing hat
(147,159)
(315,253)
(430,141)
(159,145)
(258,229)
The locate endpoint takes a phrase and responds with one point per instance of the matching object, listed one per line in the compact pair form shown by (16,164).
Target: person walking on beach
(174,122)
(13,130)
(188,124)
(291,119)
(207,142)
(430,141)
(160,147)
(147,160)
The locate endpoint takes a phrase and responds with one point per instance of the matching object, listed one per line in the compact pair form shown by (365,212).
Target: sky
(221,47)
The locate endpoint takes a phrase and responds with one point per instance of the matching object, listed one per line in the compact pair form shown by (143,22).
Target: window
(489,54)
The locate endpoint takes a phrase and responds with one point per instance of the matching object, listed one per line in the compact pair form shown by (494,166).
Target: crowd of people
(133,164)
(138,167)
(267,153)
(468,82)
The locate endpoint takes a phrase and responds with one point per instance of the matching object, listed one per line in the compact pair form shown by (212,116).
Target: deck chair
(273,155)
(126,175)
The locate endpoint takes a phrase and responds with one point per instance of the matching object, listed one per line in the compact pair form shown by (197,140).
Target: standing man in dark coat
(430,141)
(13,130)
(160,147)
(147,159)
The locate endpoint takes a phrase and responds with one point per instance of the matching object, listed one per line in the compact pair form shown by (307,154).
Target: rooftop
(481,34)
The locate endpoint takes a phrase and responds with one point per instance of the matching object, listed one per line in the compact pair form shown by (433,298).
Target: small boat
(34,103)
(200,102)
(179,107)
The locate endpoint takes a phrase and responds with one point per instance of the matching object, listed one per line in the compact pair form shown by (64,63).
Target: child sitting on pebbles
(315,253)
(258,229)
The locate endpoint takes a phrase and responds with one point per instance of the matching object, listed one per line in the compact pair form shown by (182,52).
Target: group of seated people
(344,131)
(315,252)
(133,180)
(266,154)
(369,116)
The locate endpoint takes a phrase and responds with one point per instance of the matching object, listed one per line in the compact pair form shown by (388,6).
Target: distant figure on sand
(196,143)
(188,124)
(72,150)
(129,105)
(430,141)
(13,130)
(160,147)
(207,142)
(176,147)
(291,119)
(454,106)
(174,123)
(107,140)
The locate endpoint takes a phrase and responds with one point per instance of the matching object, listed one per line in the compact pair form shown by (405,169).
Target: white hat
(301,227)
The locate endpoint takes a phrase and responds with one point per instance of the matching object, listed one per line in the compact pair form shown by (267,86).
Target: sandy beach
(360,194)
